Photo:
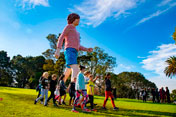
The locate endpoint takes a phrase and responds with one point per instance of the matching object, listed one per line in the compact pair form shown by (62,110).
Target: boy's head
(91,77)
(54,77)
(74,79)
(87,73)
(73,18)
(108,76)
(45,75)
(82,68)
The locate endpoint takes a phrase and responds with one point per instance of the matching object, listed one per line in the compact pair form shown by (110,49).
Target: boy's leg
(42,95)
(84,93)
(75,71)
(46,96)
(106,98)
(76,99)
(91,101)
(88,100)
(112,99)
(67,73)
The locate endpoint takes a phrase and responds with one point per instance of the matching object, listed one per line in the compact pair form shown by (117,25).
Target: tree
(49,53)
(26,68)
(6,75)
(170,70)
(127,83)
(99,64)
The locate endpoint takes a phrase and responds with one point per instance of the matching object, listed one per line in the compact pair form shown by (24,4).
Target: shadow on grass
(29,99)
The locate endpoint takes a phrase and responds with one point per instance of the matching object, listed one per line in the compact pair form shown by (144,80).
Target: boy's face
(83,70)
(76,22)
(109,76)
(54,78)
(90,77)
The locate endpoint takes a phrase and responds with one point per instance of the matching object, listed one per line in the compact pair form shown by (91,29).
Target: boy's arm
(96,78)
(85,49)
(61,37)
(60,41)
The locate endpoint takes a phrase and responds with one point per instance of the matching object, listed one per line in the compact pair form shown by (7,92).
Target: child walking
(108,92)
(90,91)
(72,92)
(44,88)
(62,89)
(80,89)
(72,46)
(53,83)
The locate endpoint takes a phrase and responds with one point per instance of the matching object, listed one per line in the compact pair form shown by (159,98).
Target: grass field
(20,102)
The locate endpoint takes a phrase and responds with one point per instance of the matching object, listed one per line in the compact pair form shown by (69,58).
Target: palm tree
(170,70)
(174,35)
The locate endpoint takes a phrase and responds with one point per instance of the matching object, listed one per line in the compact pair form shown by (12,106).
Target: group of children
(83,85)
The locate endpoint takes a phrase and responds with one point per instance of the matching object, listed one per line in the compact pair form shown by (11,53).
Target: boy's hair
(86,72)
(71,17)
(44,74)
(81,67)
(54,75)
(106,76)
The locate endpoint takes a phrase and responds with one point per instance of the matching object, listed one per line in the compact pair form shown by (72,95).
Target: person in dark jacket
(108,92)
(144,95)
(53,84)
(167,95)
(157,95)
(153,94)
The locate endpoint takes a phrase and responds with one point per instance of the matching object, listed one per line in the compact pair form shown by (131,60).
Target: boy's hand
(90,49)
(57,53)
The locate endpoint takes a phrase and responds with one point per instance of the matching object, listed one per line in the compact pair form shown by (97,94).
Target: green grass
(20,102)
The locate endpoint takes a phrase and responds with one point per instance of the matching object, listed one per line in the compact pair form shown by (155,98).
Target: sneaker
(46,105)
(59,103)
(104,108)
(41,102)
(115,108)
(73,110)
(86,110)
(35,102)
(95,104)
(94,110)
(63,103)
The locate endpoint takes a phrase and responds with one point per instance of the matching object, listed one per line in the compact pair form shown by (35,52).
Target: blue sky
(137,32)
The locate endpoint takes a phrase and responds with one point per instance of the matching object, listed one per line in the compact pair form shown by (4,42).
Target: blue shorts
(71,55)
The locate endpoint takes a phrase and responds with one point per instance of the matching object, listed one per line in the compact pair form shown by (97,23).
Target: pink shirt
(72,38)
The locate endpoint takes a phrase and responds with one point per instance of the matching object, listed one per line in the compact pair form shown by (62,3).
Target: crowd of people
(158,96)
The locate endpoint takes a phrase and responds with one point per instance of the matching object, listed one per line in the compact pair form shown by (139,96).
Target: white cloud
(157,13)
(164,3)
(97,11)
(33,3)
(156,62)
